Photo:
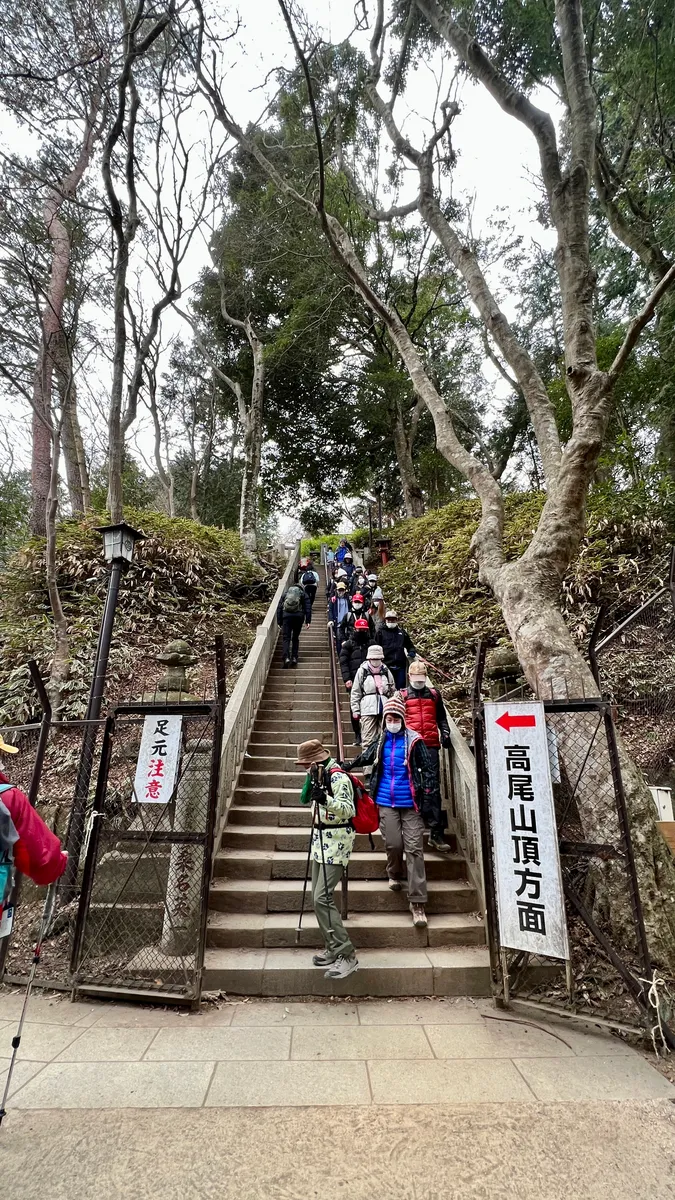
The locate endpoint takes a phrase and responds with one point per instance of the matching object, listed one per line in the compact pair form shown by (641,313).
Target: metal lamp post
(118,550)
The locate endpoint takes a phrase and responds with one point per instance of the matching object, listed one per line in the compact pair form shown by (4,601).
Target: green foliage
(188,580)
(138,489)
(432,577)
(309,545)
(15,500)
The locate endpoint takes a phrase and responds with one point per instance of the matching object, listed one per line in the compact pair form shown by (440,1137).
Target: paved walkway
(485,1100)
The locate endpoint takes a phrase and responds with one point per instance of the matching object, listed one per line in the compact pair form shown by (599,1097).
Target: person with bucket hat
(396,643)
(425,712)
(26,842)
(373,684)
(329,789)
(401,785)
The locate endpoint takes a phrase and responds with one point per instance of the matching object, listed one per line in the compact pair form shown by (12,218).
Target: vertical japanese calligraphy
(527,863)
(157,759)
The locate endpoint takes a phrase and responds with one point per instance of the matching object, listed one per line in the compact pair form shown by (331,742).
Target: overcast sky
(497,158)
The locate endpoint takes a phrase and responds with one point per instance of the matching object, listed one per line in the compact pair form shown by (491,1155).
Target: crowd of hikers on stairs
(400,731)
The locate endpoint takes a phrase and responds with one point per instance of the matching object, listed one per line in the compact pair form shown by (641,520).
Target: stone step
(268,796)
(275,862)
(264,735)
(265,749)
(451,971)
(248,827)
(368,930)
(272,779)
(365,895)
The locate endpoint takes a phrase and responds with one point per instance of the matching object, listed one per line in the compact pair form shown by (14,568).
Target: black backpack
(308,579)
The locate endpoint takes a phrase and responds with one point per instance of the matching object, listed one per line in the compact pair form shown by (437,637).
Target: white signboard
(527,863)
(157,759)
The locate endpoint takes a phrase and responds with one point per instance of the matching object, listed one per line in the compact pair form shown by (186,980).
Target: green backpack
(294,602)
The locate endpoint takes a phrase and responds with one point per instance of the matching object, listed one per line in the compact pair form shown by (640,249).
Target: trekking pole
(325,874)
(45,922)
(304,886)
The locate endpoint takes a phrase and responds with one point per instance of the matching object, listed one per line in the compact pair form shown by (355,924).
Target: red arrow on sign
(509,721)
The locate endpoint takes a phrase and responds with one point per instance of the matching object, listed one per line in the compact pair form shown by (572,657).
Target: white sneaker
(342,967)
(419,917)
(395,885)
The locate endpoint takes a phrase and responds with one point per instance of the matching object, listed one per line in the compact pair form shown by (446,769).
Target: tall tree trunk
(251,422)
(71,437)
(404,440)
(51,322)
(194,480)
(60,666)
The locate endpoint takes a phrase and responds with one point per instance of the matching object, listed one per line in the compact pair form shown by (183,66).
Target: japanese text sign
(157,759)
(526,859)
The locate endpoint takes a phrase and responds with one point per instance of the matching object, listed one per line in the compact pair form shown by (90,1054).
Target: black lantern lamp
(119,542)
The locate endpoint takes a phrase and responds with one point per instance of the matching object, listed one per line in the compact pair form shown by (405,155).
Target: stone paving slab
(118,1085)
(220,1044)
(494,1039)
(102,1044)
(594,1079)
(451,1011)
(23,1071)
(405,1041)
(289,1084)
(294,1012)
(47,1010)
(470,1081)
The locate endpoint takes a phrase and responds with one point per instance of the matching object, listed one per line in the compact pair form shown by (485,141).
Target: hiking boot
(440,845)
(419,917)
(342,967)
(324,959)
(395,885)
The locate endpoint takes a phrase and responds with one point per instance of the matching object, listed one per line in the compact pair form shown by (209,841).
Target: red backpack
(367,816)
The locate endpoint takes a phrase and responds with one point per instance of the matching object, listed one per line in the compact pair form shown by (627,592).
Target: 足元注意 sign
(526,859)
(157,759)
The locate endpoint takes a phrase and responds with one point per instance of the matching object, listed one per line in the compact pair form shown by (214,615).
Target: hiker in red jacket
(425,712)
(26,843)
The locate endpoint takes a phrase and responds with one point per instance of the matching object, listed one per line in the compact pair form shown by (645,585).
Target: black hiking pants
(434,812)
(290,634)
(310,590)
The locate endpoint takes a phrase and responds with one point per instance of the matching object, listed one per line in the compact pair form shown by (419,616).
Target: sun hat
(372,578)
(378,594)
(394,707)
(391,615)
(375,652)
(341,587)
(310,752)
(6,747)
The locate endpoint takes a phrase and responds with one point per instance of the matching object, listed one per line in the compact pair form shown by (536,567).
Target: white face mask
(357,606)
(391,624)
(393,724)
(375,665)
(418,682)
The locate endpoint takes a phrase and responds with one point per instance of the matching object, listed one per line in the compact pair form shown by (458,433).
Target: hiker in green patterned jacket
(327,787)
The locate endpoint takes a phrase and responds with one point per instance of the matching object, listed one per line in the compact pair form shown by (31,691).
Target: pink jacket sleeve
(38,851)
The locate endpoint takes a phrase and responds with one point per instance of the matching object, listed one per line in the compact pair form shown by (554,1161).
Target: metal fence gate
(141,922)
(610,973)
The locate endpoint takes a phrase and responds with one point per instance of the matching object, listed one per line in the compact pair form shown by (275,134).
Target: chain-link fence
(634,654)
(141,914)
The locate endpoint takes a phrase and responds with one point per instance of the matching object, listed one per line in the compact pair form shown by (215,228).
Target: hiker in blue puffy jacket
(401,784)
(343,549)
(293,611)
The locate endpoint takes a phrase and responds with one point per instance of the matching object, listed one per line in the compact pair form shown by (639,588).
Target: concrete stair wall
(255,896)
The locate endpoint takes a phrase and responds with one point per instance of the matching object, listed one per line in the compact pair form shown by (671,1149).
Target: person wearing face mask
(425,712)
(377,609)
(356,613)
(373,685)
(401,784)
(348,565)
(343,549)
(338,609)
(359,583)
(352,655)
(395,642)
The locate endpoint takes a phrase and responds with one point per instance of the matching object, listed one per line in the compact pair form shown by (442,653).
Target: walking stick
(47,914)
(304,886)
(325,874)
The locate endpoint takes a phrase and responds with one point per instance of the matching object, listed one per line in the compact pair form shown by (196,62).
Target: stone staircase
(257,885)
